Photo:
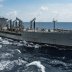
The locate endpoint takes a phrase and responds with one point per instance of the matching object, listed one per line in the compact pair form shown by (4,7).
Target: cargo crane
(32,23)
(10,26)
(20,24)
(14,25)
(17,25)
(7,24)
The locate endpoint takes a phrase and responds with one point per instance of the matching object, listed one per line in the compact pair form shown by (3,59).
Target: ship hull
(61,39)
(52,38)
(11,35)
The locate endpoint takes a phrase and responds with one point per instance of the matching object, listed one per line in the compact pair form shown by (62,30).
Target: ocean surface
(17,56)
(49,25)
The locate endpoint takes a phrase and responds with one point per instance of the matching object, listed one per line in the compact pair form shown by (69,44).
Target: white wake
(38,64)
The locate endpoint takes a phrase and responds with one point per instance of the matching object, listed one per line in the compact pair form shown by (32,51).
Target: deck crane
(32,23)
(10,26)
(18,24)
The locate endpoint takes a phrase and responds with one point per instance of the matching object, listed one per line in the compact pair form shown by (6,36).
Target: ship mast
(54,24)
(32,24)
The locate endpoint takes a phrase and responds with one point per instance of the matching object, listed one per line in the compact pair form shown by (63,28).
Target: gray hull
(55,38)
(10,35)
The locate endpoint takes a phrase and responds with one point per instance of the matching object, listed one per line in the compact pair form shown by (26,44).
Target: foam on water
(3,64)
(1,39)
(25,42)
(20,61)
(56,62)
(6,55)
(38,64)
(5,42)
(0,46)
(19,44)
(10,40)
(15,43)
(18,50)
(30,45)
(8,65)
(37,46)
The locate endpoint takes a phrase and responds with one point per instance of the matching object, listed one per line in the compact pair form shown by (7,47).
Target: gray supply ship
(16,30)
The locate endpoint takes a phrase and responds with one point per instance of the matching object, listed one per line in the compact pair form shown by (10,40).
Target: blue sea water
(14,57)
(49,25)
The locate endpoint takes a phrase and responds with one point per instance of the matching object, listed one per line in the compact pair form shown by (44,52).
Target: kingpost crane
(32,23)
(20,23)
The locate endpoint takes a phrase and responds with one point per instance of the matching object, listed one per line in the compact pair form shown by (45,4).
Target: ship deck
(47,30)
